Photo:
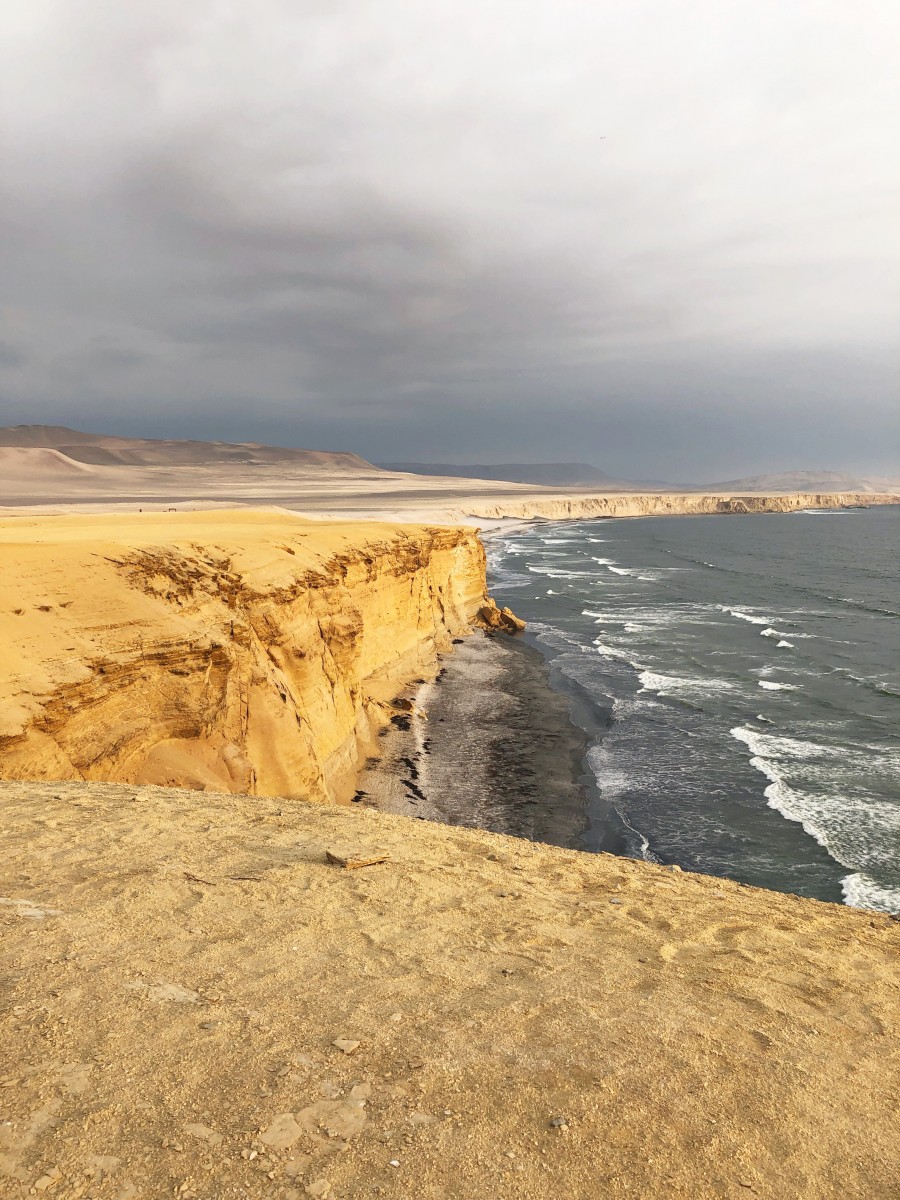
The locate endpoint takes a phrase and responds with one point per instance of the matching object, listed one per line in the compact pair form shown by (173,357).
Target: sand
(195,1004)
(238,651)
(491,745)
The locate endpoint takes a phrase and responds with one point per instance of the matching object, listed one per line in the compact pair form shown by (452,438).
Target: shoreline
(491,744)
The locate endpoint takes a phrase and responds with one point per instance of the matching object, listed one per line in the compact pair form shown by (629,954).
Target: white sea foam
(862,891)
(851,826)
(604,562)
(784,645)
(778,687)
(553,573)
(619,570)
(681,687)
(614,652)
(742,616)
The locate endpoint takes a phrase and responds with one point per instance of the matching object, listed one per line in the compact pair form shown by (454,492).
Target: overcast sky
(659,235)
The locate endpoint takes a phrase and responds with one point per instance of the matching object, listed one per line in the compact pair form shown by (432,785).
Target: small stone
(205,1134)
(395,1162)
(47,1180)
(345,1045)
(319,1188)
(559,1123)
(280,1134)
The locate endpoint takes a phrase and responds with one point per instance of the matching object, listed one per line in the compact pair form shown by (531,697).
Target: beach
(492,745)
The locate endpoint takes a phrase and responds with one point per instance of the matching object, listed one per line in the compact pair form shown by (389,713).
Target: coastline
(491,744)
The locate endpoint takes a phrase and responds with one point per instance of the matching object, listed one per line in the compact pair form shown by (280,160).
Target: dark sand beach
(491,744)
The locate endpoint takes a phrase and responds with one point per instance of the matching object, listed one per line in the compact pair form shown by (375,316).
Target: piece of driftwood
(350,862)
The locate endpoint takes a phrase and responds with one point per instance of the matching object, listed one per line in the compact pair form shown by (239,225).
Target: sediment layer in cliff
(242,651)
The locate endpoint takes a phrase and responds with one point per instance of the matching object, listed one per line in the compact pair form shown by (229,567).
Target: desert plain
(197,999)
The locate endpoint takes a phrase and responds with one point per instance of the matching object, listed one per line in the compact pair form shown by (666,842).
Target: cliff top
(198,1003)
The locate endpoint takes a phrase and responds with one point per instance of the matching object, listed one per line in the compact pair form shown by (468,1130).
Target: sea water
(750,667)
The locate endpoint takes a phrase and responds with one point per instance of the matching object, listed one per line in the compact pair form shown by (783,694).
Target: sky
(659,236)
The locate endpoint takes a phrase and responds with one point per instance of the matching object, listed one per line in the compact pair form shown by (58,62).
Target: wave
(612,652)
(682,687)
(862,891)
(778,687)
(854,829)
(784,644)
(553,573)
(742,616)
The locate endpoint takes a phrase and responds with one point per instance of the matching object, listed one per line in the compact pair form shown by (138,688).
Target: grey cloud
(661,237)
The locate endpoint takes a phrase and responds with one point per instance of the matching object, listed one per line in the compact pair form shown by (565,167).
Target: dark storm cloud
(661,237)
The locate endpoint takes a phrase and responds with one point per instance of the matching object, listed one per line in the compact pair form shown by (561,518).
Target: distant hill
(101,450)
(804,481)
(544,474)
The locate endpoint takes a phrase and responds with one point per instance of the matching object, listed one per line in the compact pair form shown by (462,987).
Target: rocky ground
(195,1002)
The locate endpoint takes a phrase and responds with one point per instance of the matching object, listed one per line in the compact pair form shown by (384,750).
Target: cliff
(662,504)
(242,651)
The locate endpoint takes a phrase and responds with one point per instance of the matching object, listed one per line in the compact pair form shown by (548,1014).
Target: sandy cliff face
(246,652)
(576,507)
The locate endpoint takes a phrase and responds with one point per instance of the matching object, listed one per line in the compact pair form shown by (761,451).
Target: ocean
(746,673)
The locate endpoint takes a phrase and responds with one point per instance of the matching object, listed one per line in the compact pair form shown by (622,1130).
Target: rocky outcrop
(499,620)
(246,652)
(579,507)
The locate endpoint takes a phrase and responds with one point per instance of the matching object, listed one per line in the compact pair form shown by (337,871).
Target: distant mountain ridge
(805,481)
(103,450)
(585,475)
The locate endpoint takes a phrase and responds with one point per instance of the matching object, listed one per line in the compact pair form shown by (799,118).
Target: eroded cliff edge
(574,506)
(243,651)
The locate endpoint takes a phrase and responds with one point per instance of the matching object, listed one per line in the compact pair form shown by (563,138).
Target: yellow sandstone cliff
(242,651)
(574,507)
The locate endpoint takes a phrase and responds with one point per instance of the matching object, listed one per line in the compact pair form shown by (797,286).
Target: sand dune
(28,466)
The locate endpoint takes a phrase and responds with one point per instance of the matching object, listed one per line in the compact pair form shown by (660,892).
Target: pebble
(395,1162)
(346,1045)
(559,1123)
